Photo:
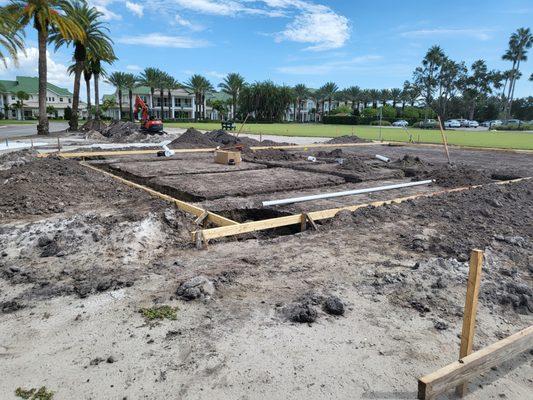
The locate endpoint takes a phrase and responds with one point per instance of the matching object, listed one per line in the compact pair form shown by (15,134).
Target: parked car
(512,122)
(452,123)
(400,122)
(463,122)
(472,124)
(491,123)
(429,124)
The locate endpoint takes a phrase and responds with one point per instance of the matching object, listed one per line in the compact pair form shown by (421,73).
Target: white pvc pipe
(382,158)
(345,193)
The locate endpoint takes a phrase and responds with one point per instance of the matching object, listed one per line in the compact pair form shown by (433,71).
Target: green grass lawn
(501,139)
(15,122)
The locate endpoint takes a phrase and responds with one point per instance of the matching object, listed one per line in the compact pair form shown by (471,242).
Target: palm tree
(21,97)
(329,89)
(519,43)
(199,85)
(150,77)
(118,80)
(384,96)
(95,41)
(45,16)
(302,93)
(87,75)
(395,96)
(11,36)
(353,94)
(374,95)
(130,82)
(232,85)
(171,84)
(162,84)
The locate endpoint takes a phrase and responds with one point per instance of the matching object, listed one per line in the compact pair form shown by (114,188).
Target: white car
(472,124)
(400,123)
(452,123)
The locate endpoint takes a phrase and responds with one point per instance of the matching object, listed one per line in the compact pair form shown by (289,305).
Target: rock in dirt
(199,287)
(11,306)
(441,325)
(301,312)
(334,306)
(17,158)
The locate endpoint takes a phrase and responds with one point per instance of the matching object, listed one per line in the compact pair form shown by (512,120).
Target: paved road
(12,131)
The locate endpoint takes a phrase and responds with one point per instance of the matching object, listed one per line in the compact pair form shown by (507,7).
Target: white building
(15,108)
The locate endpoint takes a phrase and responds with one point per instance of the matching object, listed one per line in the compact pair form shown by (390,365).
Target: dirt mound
(120,129)
(94,125)
(222,137)
(17,158)
(52,185)
(272,155)
(348,139)
(408,161)
(354,164)
(455,175)
(192,138)
(94,135)
(336,153)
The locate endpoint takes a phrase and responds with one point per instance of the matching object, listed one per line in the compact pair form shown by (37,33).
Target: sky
(364,43)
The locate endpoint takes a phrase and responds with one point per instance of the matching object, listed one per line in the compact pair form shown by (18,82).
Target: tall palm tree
(519,43)
(395,96)
(11,36)
(232,85)
(353,94)
(384,96)
(95,40)
(118,80)
(45,15)
(130,82)
(302,93)
(171,84)
(162,84)
(150,77)
(200,86)
(374,95)
(329,89)
(87,76)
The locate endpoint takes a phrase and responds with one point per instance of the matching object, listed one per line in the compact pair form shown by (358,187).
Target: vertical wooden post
(469,318)
(303,222)
(58,144)
(444,140)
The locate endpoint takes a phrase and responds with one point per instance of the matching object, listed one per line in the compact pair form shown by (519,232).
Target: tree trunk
(96,98)
(234,111)
(73,123)
(119,104)
(88,87)
(513,86)
(42,127)
(162,95)
(130,94)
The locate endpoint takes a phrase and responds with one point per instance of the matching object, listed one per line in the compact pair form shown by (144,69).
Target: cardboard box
(228,157)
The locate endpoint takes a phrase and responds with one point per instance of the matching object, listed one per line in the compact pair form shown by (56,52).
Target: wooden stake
(444,141)
(469,319)
(58,144)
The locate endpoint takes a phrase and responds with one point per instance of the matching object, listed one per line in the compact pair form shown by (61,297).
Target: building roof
(218,96)
(30,85)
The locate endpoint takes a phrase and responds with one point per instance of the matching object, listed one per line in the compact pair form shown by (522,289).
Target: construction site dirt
(359,308)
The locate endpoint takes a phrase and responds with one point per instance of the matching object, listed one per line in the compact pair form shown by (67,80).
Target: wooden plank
(469,318)
(474,364)
(190,208)
(444,140)
(247,227)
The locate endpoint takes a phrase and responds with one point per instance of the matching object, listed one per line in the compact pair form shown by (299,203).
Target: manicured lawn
(502,139)
(15,122)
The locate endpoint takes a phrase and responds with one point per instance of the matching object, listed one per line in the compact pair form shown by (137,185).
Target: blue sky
(369,44)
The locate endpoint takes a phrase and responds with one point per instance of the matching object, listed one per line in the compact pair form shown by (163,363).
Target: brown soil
(348,139)
(192,138)
(272,155)
(94,125)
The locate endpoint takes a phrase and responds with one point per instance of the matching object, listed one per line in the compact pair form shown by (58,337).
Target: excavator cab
(149,123)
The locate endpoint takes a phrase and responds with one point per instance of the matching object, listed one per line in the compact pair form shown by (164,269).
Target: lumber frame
(216,219)
(474,364)
(247,227)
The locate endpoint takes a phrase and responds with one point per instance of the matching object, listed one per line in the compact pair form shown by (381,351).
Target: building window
(61,99)
(12,97)
(69,99)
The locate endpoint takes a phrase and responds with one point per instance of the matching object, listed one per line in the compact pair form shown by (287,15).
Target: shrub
(340,120)
(341,110)
(370,112)
(410,113)
(522,127)
(383,123)
(426,125)
(389,112)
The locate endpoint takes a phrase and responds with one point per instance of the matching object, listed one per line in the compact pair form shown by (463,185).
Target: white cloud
(137,9)
(230,8)
(27,66)
(161,40)
(480,34)
(133,67)
(179,20)
(103,7)
(330,66)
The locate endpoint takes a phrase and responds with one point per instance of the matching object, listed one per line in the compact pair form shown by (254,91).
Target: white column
(193,105)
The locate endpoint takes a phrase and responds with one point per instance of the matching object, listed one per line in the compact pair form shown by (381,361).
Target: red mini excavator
(148,123)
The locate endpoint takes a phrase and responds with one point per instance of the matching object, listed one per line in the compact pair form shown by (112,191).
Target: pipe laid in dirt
(382,158)
(345,193)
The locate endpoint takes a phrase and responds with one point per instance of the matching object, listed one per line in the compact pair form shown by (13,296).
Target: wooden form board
(110,153)
(254,226)
(474,364)
(190,208)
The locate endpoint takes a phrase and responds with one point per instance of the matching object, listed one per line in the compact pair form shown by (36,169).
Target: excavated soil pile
(355,164)
(455,175)
(17,158)
(225,138)
(192,138)
(348,139)
(120,129)
(336,153)
(94,125)
(494,218)
(52,185)
(271,155)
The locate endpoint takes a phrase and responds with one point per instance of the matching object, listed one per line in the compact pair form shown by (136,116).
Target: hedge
(521,127)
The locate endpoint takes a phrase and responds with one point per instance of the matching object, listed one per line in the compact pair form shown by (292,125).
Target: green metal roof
(218,96)
(30,85)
